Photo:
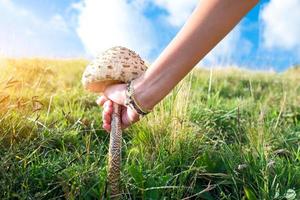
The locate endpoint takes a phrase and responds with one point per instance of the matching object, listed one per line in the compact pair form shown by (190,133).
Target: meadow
(221,134)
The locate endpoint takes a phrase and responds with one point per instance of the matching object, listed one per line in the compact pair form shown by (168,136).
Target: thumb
(116,93)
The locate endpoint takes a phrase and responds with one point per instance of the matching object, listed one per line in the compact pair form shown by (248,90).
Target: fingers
(106,114)
(101,99)
(107,111)
(128,117)
(116,93)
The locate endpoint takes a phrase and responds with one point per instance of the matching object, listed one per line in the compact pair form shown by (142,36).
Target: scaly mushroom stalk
(116,65)
(114,154)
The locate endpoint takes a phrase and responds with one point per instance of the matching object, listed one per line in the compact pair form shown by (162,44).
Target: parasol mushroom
(115,65)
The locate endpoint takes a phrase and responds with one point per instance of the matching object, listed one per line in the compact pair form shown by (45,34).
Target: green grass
(224,134)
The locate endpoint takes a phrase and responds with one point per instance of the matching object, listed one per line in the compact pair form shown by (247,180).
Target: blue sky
(267,38)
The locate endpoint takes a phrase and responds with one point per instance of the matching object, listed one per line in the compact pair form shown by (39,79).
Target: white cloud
(178,10)
(281,24)
(23,34)
(102,24)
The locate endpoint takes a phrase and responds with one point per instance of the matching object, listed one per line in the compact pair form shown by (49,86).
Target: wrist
(143,94)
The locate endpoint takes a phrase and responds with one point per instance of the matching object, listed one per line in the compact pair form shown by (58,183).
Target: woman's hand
(116,93)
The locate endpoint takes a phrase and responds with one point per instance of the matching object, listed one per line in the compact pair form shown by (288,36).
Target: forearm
(208,24)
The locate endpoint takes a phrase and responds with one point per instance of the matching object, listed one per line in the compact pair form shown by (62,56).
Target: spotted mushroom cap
(115,65)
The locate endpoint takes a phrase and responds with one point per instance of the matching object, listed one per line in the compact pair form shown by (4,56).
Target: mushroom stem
(114,155)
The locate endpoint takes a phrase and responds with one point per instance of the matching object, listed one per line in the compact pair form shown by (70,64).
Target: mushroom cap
(115,65)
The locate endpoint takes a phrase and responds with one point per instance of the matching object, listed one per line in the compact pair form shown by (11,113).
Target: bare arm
(209,23)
